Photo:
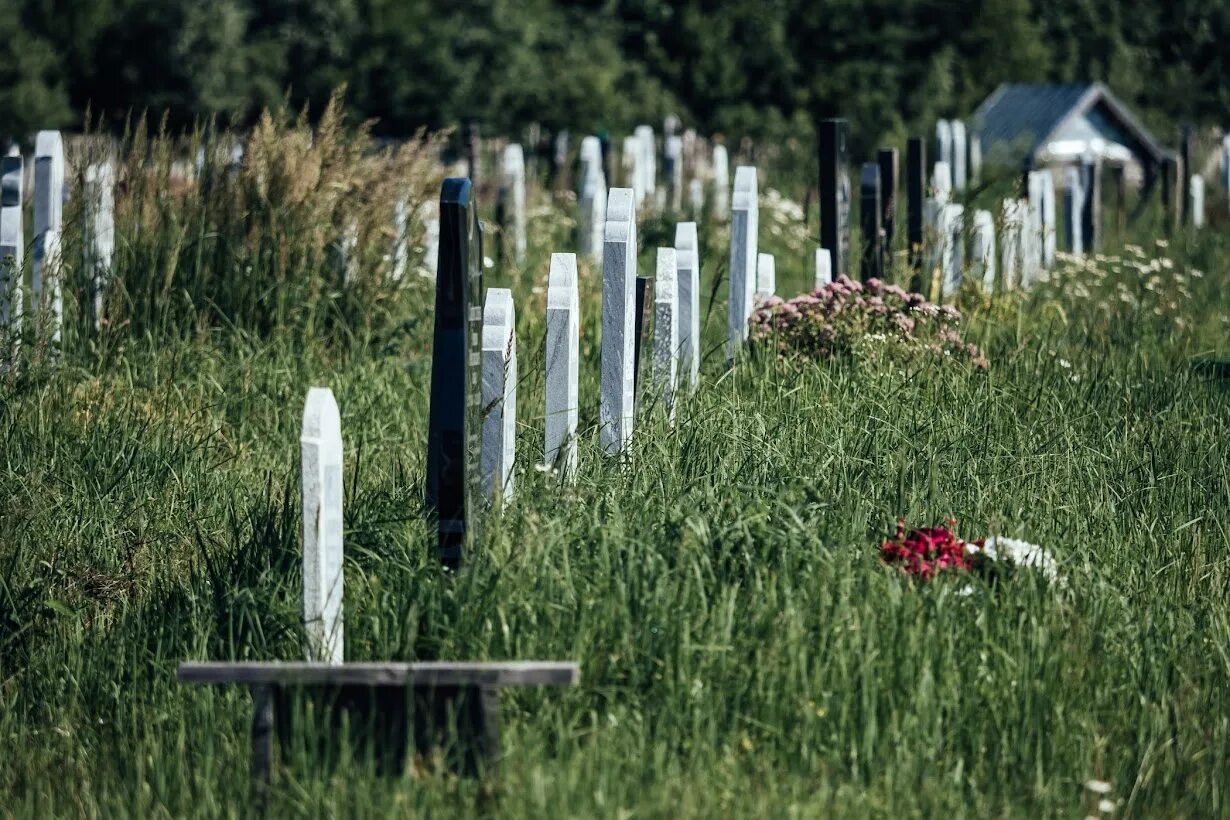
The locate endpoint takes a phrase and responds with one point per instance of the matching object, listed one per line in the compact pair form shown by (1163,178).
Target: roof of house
(1028,117)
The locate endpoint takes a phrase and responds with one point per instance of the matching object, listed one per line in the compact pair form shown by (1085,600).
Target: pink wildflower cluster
(925,552)
(843,316)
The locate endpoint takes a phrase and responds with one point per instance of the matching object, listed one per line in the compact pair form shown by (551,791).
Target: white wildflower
(1098,786)
(1021,553)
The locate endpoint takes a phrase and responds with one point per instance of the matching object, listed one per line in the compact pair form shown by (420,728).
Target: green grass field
(743,650)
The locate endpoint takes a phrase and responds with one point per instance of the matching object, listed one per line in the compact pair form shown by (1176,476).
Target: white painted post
(943,142)
(320,454)
(959,178)
(514,184)
(1048,220)
(592,207)
(648,164)
(721,184)
(1035,226)
(674,156)
(696,198)
(499,447)
(630,162)
(1011,257)
(618,320)
(45,279)
(744,226)
(766,276)
(563,353)
(666,328)
(399,249)
(1074,208)
(12,249)
(982,250)
(1196,190)
(687,259)
(824,267)
(952,228)
(99,231)
(941,183)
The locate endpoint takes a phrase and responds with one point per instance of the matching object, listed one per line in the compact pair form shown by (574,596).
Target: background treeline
(764,68)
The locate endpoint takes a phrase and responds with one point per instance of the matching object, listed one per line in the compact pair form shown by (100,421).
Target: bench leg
(462,722)
(262,743)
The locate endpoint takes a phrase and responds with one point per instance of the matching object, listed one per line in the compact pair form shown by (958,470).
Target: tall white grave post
(674,158)
(824,267)
(592,205)
(959,177)
(99,231)
(1074,210)
(431,237)
(320,456)
(941,183)
(766,276)
(943,142)
(647,166)
(1035,226)
(982,250)
(499,445)
(514,184)
(721,184)
(666,328)
(630,161)
(45,288)
(696,198)
(563,353)
(744,224)
(618,320)
(687,261)
(12,249)
(1048,220)
(1195,189)
(1011,256)
(952,237)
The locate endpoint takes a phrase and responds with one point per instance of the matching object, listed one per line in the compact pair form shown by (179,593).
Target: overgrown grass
(743,650)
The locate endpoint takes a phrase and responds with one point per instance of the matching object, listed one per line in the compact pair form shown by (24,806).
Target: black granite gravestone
(835,194)
(869,212)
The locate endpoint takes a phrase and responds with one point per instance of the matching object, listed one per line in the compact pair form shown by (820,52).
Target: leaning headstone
(835,193)
(320,458)
(12,249)
(1195,188)
(45,288)
(98,239)
(982,250)
(952,233)
(1073,206)
(499,448)
(513,192)
(766,277)
(943,142)
(959,155)
(592,206)
(916,193)
(744,226)
(674,171)
(453,443)
(687,292)
(721,184)
(618,389)
(1011,256)
(666,329)
(824,267)
(941,183)
(563,354)
(869,211)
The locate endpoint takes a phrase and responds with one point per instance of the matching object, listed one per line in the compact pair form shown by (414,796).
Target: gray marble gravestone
(630,161)
(499,448)
(320,459)
(563,354)
(666,329)
(766,277)
(591,221)
(982,250)
(98,232)
(959,155)
(618,387)
(824,267)
(1014,213)
(46,297)
(1195,192)
(721,184)
(12,250)
(513,190)
(1073,207)
(744,227)
(943,142)
(687,261)
(952,248)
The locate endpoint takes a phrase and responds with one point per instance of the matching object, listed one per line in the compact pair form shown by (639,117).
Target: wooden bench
(442,706)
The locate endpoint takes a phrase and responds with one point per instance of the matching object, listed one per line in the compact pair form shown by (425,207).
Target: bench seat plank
(425,673)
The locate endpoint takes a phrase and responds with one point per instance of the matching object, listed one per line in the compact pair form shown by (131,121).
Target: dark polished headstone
(915,194)
(835,194)
(869,213)
(456,391)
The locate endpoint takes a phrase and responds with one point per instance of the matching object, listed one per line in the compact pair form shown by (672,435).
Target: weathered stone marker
(320,458)
(592,203)
(666,329)
(98,229)
(974,171)
(744,228)
(959,155)
(824,267)
(889,161)
(952,239)
(453,445)
(982,250)
(941,183)
(512,192)
(1049,222)
(499,447)
(12,250)
(1011,257)
(645,183)
(45,279)
(1195,191)
(563,354)
(915,194)
(618,389)
(766,277)
(943,142)
(1074,206)
(696,198)
(674,170)
(721,184)
(835,194)
(687,261)
(869,213)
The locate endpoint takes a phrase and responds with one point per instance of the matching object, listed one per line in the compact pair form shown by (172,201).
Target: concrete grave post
(1195,189)
(835,193)
(45,279)
(563,355)
(618,389)
(721,184)
(320,458)
(666,329)
(499,447)
(943,142)
(824,267)
(744,227)
(12,251)
(98,229)
(959,155)
(766,277)
(982,250)
(687,260)
(513,191)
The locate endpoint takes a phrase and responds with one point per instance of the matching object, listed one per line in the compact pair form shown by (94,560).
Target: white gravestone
(592,206)
(721,184)
(952,237)
(1196,192)
(499,445)
(618,320)
(12,249)
(958,155)
(974,171)
(674,156)
(943,142)
(647,165)
(1074,208)
(666,329)
(1034,226)
(1049,224)
(696,198)
(824,267)
(982,250)
(630,161)
(1011,256)
(563,353)
(99,231)
(687,293)
(320,456)
(941,183)
(766,276)
(45,288)
(513,171)
(744,225)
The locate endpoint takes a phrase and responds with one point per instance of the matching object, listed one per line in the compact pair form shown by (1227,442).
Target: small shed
(1042,126)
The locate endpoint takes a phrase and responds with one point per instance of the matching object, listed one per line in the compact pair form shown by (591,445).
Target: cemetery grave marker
(943,142)
(744,227)
(941,183)
(320,458)
(888,160)
(869,210)
(687,261)
(1012,255)
(824,267)
(952,239)
(98,238)
(982,250)
(721,184)
(618,321)
(835,194)
(674,170)
(666,329)
(513,194)
(592,202)
(1049,232)
(12,249)
(499,445)
(766,277)
(1195,188)
(563,355)
(45,279)
(647,165)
